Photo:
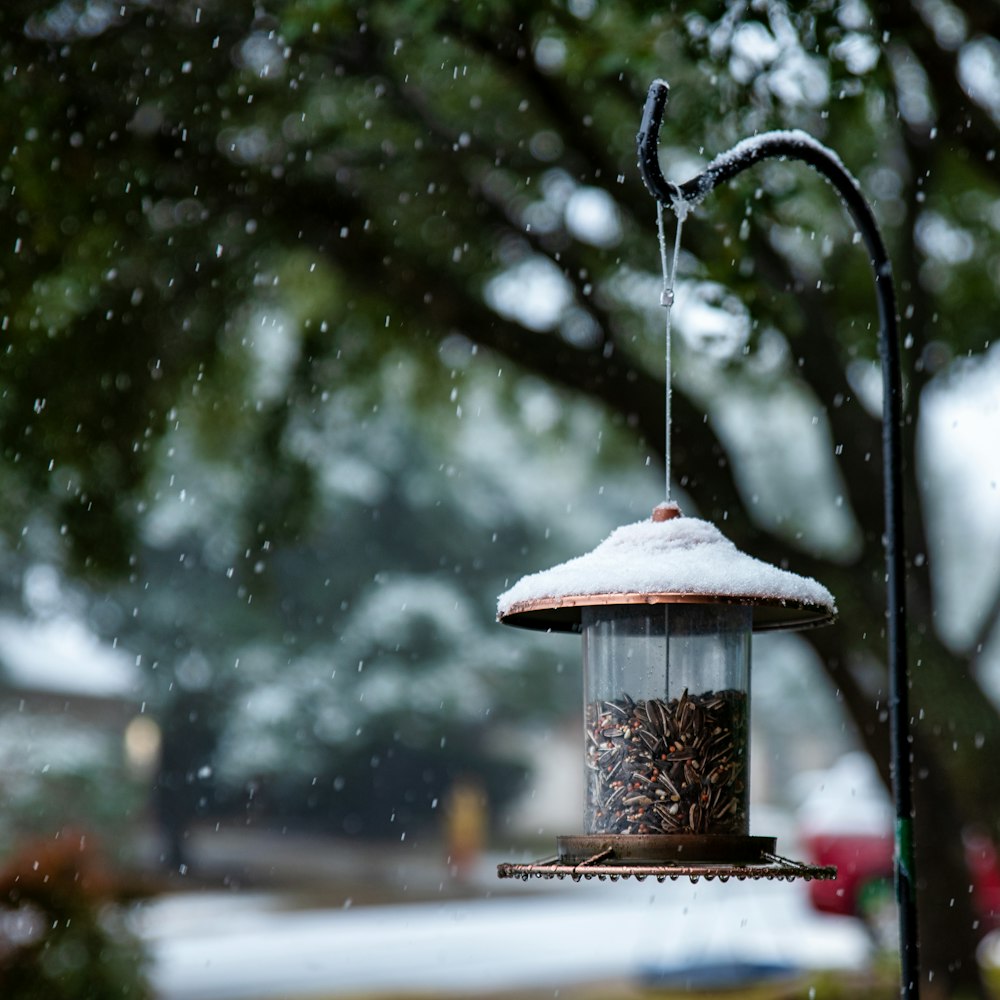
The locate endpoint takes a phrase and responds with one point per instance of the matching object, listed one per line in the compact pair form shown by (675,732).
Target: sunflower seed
(668,766)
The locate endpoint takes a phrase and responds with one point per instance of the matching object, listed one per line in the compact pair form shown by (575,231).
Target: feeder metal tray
(602,867)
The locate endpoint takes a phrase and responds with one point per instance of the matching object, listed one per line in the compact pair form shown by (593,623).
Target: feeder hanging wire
(667,301)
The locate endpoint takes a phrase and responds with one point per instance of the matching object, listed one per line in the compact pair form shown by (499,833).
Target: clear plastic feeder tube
(667,718)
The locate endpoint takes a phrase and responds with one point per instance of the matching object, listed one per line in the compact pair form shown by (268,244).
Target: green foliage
(70,941)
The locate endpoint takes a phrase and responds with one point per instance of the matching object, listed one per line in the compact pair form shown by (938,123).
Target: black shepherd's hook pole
(800,146)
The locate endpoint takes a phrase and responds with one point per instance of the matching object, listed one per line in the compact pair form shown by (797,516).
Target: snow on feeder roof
(668,559)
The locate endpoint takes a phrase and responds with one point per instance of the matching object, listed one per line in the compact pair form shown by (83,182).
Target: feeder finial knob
(667,510)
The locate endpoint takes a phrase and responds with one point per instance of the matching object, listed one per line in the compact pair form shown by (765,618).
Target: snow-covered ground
(547,934)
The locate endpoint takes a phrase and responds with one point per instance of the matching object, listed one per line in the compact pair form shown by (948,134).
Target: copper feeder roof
(668,559)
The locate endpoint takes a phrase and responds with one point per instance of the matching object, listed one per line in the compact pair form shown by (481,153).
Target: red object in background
(864,869)
(984,869)
(863,887)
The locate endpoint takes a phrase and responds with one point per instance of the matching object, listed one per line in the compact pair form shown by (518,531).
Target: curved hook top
(796,145)
(648,140)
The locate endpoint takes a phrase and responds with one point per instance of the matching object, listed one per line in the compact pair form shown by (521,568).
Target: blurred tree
(239,226)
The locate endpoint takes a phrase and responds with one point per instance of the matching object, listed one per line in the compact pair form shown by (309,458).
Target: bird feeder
(666,608)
